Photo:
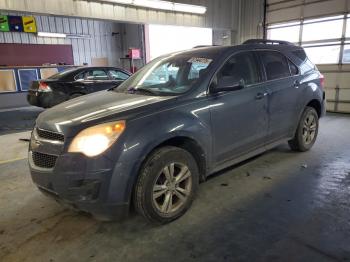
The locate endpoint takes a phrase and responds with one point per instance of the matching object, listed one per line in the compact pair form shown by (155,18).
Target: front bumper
(71,183)
(97,186)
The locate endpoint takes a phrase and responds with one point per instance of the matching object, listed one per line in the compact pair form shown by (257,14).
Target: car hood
(92,107)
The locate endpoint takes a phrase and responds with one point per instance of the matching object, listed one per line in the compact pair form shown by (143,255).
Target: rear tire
(166,185)
(306,133)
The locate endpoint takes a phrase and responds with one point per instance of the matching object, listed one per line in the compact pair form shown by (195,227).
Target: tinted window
(305,64)
(118,75)
(63,74)
(293,68)
(276,65)
(240,67)
(80,76)
(96,74)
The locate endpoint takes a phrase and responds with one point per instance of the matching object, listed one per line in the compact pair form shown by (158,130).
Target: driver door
(239,119)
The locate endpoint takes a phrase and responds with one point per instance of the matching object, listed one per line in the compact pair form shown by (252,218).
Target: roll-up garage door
(322,27)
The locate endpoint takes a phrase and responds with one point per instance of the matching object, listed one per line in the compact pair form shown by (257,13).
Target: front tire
(166,185)
(306,133)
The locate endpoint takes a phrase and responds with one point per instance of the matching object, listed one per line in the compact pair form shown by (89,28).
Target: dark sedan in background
(73,83)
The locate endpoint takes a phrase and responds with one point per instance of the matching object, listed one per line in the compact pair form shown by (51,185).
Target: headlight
(97,139)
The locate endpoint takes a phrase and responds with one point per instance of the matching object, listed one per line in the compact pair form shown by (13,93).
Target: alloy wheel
(172,188)
(309,128)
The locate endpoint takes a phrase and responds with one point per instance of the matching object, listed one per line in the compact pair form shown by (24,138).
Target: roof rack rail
(201,46)
(266,42)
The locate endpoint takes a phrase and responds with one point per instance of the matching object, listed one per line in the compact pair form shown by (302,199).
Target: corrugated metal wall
(242,17)
(337,76)
(252,19)
(235,19)
(100,43)
(220,13)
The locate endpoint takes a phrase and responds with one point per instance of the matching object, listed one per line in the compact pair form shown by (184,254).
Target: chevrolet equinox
(148,143)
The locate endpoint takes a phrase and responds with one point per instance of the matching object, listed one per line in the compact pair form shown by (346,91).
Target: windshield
(170,75)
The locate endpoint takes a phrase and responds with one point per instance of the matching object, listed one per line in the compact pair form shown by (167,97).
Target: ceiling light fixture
(78,36)
(161,5)
(48,34)
(196,9)
(124,2)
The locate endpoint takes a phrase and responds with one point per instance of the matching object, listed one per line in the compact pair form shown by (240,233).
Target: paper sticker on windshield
(200,60)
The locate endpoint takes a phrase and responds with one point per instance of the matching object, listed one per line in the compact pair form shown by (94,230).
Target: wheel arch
(314,103)
(193,147)
(182,141)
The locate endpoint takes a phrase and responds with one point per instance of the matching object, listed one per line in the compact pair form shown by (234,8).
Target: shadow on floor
(18,120)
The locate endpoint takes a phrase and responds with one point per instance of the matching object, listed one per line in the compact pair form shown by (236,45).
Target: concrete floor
(280,206)
(19,119)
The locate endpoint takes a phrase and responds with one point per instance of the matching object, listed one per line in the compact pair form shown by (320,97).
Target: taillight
(322,81)
(43,87)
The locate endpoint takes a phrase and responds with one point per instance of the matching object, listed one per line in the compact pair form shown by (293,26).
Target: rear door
(282,81)
(239,118)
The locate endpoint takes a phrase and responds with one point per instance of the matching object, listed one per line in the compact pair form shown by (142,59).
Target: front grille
(50,135)
(44,160)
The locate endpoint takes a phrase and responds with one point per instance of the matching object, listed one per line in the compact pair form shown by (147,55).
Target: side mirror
(228,83)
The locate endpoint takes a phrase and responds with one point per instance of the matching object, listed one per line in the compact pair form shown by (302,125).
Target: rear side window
(305,64)
(118,75)
(293,68)
(96,74)
(241,66)
(276,65)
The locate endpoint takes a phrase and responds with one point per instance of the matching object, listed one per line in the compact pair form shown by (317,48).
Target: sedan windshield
(169,75)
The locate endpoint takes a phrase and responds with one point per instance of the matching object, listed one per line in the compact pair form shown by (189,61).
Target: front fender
(144,134)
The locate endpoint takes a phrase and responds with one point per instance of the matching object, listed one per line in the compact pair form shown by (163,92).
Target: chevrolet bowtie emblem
(35,144)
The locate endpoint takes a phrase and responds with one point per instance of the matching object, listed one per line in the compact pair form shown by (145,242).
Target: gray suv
(148,143)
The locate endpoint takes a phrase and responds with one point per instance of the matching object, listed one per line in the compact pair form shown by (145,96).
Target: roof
(250,44)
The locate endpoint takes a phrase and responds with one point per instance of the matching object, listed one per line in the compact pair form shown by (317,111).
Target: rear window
(62,74)
(276,65)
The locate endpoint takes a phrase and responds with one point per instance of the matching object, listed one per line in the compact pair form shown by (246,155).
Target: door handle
(261,95)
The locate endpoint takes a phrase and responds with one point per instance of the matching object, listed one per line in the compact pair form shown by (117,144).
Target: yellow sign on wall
(29,24)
